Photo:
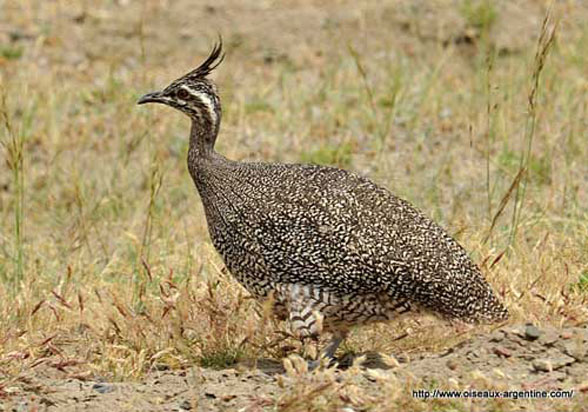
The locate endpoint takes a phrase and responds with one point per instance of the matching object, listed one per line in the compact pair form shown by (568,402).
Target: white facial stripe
(209,105)
(205,99)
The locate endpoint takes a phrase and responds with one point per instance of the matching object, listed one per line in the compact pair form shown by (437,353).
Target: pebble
(497,336)
(500,374)
(575,350)
(555,359)
(47,402)
(532,332)
(549,337)
(472,354)
(542,365)
(452,364)
(185,405)
(101,387)
(501,351)
(161,367)
(576,371)
(561,360)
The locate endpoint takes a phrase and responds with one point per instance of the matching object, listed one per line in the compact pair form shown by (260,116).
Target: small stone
(210,395)
(566,335)
(542,365)
(549,337)
(576,350)
(161,367)
(501,351)
(562,360)
(497,336)
(498,373)
(576,370)
(185,405)
(47,402)
(532,332)
(452,364)
(101,387)
(516,332)
(454,383)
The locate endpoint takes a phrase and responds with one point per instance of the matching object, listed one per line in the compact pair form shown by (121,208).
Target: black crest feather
(215,58)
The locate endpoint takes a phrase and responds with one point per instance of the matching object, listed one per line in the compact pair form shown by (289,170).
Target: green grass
(336,155)
(220,360)
(582,284)
(11,52)
(479,14)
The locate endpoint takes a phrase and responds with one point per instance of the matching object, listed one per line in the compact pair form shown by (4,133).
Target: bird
(330,248)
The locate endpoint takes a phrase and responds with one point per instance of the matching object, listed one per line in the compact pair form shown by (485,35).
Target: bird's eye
(182,94)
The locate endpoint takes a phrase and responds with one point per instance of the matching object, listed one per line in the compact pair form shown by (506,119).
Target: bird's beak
(155,97)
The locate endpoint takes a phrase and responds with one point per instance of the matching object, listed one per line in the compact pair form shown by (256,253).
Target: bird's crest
(215,58)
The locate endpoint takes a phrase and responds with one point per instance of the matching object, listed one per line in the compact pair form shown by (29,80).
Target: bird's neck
(202,139)
(202,158)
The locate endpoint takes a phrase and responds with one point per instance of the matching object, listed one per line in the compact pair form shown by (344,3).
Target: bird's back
(336,231)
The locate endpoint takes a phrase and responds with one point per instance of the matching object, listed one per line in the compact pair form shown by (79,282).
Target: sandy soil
(519,357)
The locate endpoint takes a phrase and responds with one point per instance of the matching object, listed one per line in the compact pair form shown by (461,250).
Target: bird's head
(194,94)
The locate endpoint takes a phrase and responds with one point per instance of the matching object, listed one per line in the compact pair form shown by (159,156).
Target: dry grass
(105,262)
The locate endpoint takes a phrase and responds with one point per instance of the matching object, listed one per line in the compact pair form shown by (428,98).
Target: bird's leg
(328,352)
(306,324)
(306,321)
(304,315)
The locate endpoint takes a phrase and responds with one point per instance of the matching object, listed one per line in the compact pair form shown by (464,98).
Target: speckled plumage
(333,248)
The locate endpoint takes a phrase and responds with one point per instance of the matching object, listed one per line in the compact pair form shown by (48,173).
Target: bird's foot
(322,361)
(327,356)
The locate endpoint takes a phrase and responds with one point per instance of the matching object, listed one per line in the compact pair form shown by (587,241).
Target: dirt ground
(513,358)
